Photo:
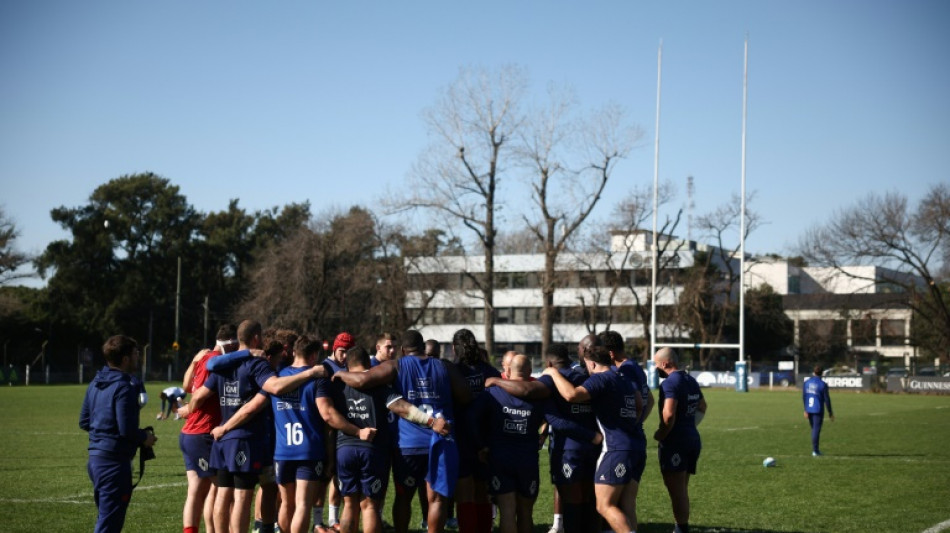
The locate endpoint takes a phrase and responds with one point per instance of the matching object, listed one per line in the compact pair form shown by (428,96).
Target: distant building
(858,309)
(859,314)
(584,296)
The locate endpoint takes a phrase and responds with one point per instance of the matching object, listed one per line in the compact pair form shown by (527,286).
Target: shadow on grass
(881,455)
(668,527)
(696,528)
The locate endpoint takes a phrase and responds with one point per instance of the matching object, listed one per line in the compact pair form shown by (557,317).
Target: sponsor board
(918,384)
(848,382)
(723,379)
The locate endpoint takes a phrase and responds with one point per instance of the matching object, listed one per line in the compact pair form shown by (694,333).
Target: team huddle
(266,414)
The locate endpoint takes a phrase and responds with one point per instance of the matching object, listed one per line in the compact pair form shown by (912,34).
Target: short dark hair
(117,347)
(358,356)
(612,341)
(227,332)
(287,337)
(248,330)
(818,370)
(307,346)
(558,356)
(433,348)
(600,355)
(412,341)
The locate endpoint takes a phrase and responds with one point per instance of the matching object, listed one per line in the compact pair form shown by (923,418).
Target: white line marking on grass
(876,414)
(942,406)
(86,497)
(742,429)
(939,527)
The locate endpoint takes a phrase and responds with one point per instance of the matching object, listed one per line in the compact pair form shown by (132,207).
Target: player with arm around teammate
(301,457)
(509,445)
(574,446)
(434,386)
(679,443)
(239,452)
(195,438)
(363,444)
(618,406)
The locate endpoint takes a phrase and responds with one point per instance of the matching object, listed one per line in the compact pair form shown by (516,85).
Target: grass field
(886,468)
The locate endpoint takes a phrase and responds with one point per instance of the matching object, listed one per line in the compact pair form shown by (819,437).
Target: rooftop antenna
(690,206)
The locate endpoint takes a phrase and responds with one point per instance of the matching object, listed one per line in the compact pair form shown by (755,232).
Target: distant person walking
(816,398)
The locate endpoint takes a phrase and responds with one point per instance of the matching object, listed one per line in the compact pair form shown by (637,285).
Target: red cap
(343,340)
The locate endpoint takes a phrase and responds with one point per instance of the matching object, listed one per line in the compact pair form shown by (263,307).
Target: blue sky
(273,102)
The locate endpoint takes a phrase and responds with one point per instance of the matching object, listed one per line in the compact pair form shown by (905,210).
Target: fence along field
(886,468)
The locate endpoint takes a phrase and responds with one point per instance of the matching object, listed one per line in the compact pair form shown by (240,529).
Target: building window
(502,280)
(892,333)
(794,284)
(519,280)
(863,332)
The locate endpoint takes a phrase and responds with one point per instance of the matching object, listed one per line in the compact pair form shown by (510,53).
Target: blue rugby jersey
(298,426)
(614,399)
(572,424)
(682,387)
(511,424)
(815,396)
(366,409)
(235,387)
(423,382)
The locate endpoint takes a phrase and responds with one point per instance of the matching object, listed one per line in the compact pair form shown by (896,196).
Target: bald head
(666,359)
(506,361)
(584,346)
(519,366)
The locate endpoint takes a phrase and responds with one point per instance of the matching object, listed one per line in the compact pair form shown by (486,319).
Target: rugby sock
(190,529)
(484,517)
(267,528)
(558,522)
(318,515)
(572,517)
(467,517)
(334,514)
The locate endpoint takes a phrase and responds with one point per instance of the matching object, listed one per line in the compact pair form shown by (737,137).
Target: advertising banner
(724,379)
(919,384)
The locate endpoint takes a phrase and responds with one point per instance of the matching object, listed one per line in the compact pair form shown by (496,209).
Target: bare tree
(11,259)
(519,241)
(472,125)
(910,246)
(712,283)
(569,159)
(627,262)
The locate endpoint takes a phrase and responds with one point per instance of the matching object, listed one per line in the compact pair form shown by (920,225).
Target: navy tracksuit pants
(112,490)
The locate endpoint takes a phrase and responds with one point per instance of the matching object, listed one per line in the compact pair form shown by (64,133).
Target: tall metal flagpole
(656,179)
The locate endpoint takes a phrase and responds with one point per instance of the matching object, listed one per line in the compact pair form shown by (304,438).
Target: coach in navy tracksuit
(110,413)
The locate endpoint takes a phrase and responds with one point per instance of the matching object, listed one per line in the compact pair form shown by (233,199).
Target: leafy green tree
(117,274)
(768,330)
(230,242)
